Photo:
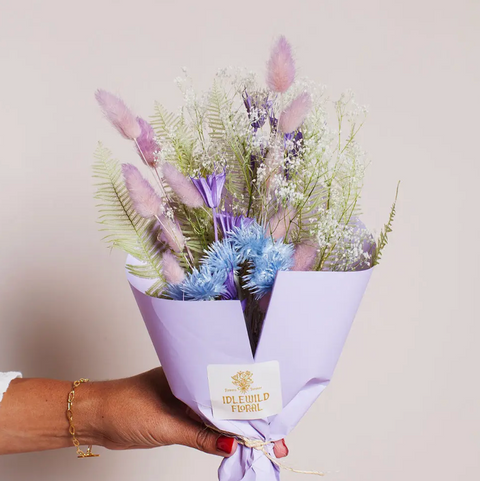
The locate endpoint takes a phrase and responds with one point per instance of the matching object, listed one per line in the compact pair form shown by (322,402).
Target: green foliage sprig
(387,228)
(126,229)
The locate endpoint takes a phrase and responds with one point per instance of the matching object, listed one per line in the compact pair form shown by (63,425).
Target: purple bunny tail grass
(305,255)
(280,66)
(182,186)
(146,143)
(145,200)
(119,115)
(172,270)
(171,234)
(293,116)
(280,223)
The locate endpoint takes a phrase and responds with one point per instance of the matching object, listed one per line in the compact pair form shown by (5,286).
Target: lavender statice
(293,142)
(258,108)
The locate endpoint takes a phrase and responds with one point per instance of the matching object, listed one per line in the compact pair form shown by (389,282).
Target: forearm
(33,415)
(135,412)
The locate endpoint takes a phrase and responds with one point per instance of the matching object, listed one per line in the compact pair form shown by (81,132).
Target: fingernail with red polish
(286,447)
(225,444)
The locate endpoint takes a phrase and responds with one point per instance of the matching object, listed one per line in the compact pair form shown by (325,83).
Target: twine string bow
(262,447)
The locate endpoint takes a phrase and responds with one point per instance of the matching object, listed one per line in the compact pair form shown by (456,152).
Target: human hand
(142,412)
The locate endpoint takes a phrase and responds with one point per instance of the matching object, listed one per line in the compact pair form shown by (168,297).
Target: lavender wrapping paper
(307,323)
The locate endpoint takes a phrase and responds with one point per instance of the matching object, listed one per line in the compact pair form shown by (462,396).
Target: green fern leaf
(222,119)
(126,229)
(173,132)
(387,228)
(164,123)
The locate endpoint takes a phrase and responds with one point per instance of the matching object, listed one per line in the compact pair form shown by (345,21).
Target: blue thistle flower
(275,257)
(249,242)
(204,285)
(221,256)
(175,292)
(216,277)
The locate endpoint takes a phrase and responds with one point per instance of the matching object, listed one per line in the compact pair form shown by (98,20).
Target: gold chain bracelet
(71,429)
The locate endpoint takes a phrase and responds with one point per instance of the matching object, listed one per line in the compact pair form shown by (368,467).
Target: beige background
(404,403)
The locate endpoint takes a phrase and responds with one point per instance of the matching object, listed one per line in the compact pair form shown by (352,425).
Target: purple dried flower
(210,188)
(211,191)
(229,221)
(231,291)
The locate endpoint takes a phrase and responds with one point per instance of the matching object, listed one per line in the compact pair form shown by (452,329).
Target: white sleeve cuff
(5,379)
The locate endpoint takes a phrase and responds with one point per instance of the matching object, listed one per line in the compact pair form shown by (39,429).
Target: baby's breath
(319,171)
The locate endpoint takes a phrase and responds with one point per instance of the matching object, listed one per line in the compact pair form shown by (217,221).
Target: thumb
(204,439)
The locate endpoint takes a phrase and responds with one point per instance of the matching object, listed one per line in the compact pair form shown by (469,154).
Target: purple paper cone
(307,323)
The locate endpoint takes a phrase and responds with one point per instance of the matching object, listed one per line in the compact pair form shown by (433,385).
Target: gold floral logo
(243,380)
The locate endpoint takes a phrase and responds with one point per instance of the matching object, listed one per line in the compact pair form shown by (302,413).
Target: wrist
(89,413)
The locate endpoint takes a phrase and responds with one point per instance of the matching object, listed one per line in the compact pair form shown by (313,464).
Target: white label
(245,391)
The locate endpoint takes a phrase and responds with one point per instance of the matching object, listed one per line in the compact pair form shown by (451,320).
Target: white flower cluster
(317,170)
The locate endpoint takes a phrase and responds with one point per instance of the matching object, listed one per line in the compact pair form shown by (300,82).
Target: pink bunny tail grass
(304,257)
(171,234)
(118,114)
(280,66)
(147,145)
(280,223)
(172,270)
(295,113)
(273,164)
(145,200)
(182,186)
